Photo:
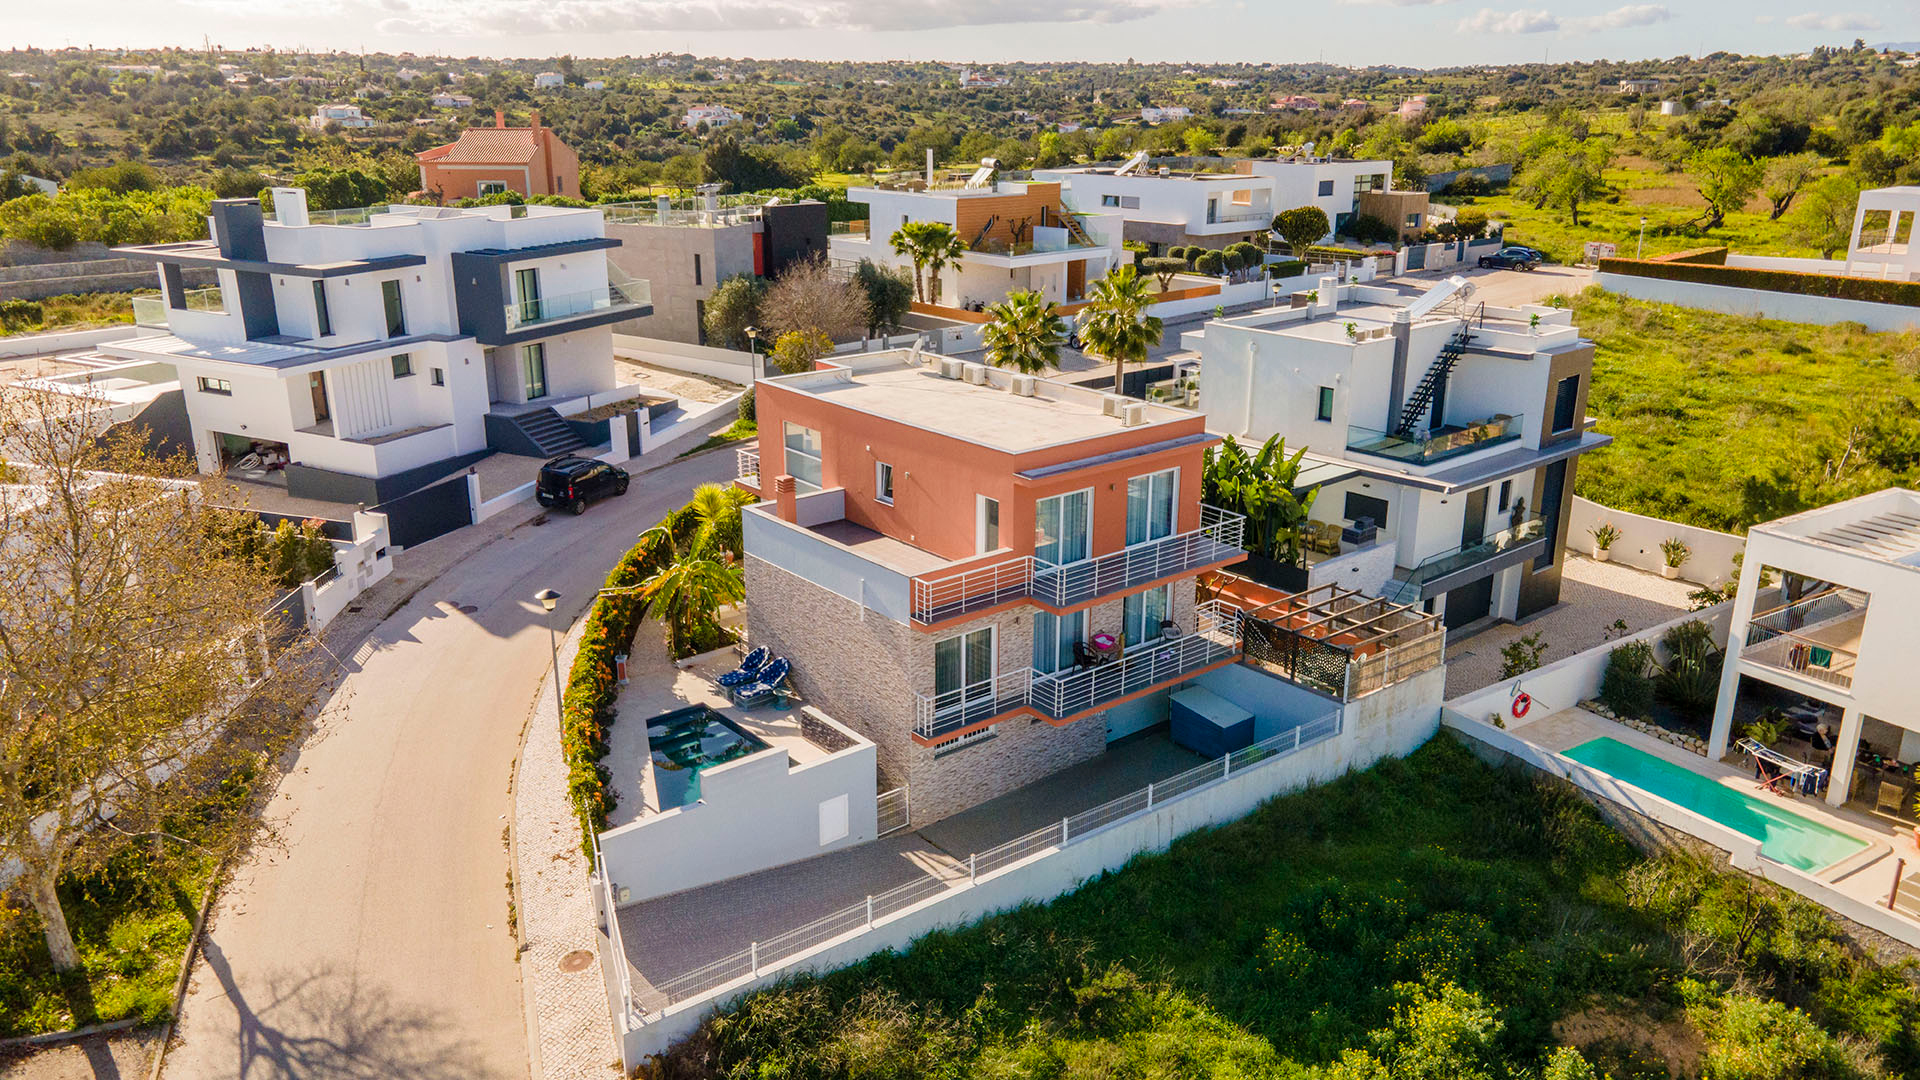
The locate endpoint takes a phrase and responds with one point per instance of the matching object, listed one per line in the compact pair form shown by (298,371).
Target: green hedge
(1831,286)
(1286,269)
(1319,251)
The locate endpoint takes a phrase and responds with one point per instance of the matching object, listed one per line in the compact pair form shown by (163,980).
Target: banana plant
(1260,487)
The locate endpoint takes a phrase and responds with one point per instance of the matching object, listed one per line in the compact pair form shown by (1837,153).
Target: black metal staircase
(1430,383)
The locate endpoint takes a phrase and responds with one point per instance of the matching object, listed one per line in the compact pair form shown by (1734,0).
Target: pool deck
(1867,876)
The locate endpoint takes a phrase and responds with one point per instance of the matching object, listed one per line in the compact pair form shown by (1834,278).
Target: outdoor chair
(762,688)
(749,669)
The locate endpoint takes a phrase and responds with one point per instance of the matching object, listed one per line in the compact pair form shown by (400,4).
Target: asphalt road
(370,937)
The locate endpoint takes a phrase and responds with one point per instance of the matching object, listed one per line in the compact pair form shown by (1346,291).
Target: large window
(1060,527)
(803,457)
(396,314)
(526,282)
(1552,488)
(402,365)
(1150,506)
(1366,506)
(962,670)
(533,365)
(1142,613)
(883,482)
(1565,396)
(1054,637)
(322,318)
(1325,409)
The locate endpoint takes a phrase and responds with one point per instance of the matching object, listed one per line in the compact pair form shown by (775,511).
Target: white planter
(1670,572)
(1601,554)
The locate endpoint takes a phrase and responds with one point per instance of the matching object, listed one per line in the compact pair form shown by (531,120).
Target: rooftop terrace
(1884,526)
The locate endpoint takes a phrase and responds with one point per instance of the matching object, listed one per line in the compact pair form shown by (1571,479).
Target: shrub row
(1831,286)
(1287,268)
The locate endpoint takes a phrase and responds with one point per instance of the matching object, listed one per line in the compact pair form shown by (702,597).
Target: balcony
(747,468)
(1057,696)
(847,228)
(1524,539)
(1816,638)
(551,309)
(952,595)
(1242,215)
(1432,447)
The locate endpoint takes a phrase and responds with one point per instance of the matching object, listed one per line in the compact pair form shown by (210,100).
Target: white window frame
(980,503)
(883,483)
(1088,492)
(490,187)
(210,385)
(1060,665)
(1173,503)
(819,460)
(1166,590)
(993,668)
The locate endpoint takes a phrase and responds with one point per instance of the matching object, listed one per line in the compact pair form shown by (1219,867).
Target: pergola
(1311,637)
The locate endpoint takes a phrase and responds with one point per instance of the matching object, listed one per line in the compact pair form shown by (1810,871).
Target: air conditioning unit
(1021,386)
(1133,414)
(976,373)
(1113,404)
(950,369)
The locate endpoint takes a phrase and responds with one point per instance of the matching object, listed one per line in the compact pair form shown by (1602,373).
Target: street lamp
(1637,252)
(548,601)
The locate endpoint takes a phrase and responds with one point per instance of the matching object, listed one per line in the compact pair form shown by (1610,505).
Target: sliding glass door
(1054,637)
(1150,506)
(1061,526)
(1142,613)
(962,671)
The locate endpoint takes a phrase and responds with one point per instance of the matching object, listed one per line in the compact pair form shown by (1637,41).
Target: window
(1109,200)
(492,187)
(883,482)
(533,365)
(1142,613)
(1325,411)
(215,386)
(1366,506)
(804,457)
(396,315)
(1553,486)
(696,268)
(986,526)
(700,321)
(559,185)
(1060,527)
(1326,188)
(322,318)
(1150,506)
(962,671)
(1506,494)
(402,365)
(439,376)
(1565,396)
(1054,637)
(526,282)
(1413,221)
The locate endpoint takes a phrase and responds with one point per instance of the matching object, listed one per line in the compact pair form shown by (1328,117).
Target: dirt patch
(122,1053)
(673,384)
(1623,1041)
(35,367)
(607,412)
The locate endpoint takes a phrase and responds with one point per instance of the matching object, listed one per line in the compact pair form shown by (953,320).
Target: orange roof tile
(488,146)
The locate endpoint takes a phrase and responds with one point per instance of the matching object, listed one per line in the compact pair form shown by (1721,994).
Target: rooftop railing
(1801,637)
(1242,214)
(748,465)
(1428,448)
(726,210)
(149,311)
(546,309)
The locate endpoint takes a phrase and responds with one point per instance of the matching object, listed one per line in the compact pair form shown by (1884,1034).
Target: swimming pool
(1784,836)
(687,742)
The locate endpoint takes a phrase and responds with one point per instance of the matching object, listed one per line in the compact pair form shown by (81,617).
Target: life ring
(1521,703)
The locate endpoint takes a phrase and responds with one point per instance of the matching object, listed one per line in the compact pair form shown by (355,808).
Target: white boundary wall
(61,341)
(1788,307)
(730,364)
(1639,545)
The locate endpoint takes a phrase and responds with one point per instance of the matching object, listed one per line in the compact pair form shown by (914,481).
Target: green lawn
(738,431)
(1725,421)
(1429,919)
(70,311)
(1663,199)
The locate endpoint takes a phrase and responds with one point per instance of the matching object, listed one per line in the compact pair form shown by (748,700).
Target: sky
(1414,33)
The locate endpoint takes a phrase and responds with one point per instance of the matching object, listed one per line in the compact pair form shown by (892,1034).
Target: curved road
(369,937)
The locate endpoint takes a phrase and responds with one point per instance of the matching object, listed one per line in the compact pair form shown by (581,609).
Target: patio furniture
(749,668)
(761,689)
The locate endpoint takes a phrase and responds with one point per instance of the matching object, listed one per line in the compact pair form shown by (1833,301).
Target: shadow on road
(322,1024)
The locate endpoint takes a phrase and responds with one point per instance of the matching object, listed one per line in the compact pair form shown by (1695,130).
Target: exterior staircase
(1906,899)
(1430,384)
(541,433)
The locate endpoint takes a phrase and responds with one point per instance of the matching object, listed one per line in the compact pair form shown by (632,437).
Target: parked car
(572,482)
(1538,255)
(1511,258)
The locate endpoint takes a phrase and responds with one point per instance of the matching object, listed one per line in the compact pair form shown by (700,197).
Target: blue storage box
(1208,724)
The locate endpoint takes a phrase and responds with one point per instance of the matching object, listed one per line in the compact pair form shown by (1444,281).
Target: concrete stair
(545,430)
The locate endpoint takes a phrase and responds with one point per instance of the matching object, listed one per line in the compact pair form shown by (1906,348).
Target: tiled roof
(488,146)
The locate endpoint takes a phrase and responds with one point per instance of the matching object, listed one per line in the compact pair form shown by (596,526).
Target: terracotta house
(484,161)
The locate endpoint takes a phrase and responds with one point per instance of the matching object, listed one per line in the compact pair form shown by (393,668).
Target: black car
(1511,258)
(573,482)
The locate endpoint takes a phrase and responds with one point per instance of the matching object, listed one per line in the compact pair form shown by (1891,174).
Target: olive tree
(1302,227)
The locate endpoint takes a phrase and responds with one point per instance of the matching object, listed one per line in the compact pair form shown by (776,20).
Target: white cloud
(1396,3)
(1623,18)
(1489,21)
(1820,20)
(531,17)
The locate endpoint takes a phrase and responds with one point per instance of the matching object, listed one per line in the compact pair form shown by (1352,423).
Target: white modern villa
(368,352)
(1442,433)
(1844,637)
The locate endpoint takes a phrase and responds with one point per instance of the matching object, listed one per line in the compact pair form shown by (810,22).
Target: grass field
(71,311)
(1430,918)
(1725,421)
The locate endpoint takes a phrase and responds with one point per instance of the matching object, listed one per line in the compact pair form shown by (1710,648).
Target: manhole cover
(577,960)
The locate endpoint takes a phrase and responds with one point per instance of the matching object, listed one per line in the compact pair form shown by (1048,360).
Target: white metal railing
(1147,664)
(748,465)
(893,810)
(861,917)
(936,714)
(1219,537)
(1782,637)
(634,1016)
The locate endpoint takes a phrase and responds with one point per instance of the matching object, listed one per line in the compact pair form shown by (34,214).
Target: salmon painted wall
(937,477)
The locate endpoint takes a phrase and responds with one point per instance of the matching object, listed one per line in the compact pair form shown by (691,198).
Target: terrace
(1815,638)
(1334,640)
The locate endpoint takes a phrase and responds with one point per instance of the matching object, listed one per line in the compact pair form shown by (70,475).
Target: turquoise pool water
(1784,836)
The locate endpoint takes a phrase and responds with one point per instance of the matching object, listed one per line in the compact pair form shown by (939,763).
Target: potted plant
(1533,322)
(1674,553)
(1353,332)
(1604,534)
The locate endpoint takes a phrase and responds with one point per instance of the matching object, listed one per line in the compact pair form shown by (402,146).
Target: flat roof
(1883,526)
(988,414)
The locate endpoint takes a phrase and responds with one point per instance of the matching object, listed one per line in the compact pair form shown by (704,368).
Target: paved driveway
(371,938)
(1505,288)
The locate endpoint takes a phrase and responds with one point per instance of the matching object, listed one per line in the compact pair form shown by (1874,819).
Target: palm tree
(932,245)
(715,511)
(688,594)
(1115,323)
(1024,334)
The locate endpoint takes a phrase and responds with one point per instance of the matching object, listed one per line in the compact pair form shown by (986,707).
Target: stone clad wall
(1020,751)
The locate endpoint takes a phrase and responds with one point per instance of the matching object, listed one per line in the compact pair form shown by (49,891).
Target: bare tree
(134,668)
(811,296)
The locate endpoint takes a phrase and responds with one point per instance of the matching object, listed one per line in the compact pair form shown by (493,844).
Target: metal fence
(749,962)
(1396,664)
(895,810)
